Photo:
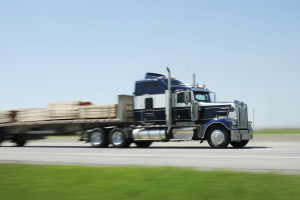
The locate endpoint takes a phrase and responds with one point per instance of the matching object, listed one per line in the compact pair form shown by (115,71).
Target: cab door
(149,115)
(182,107)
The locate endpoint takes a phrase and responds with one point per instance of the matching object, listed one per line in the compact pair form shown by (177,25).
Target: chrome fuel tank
(183,133)
(148,134)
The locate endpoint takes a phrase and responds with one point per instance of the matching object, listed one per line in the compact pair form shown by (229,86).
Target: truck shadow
(135,147)
(174,147)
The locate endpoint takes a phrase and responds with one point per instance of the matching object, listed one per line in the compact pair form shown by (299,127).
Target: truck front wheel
(118,138)
(239,143)
(98,138)
(218,136)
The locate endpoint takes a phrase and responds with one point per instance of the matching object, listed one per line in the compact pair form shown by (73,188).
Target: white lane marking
(149,155)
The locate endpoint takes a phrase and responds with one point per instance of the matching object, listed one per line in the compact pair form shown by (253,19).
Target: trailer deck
(75,121)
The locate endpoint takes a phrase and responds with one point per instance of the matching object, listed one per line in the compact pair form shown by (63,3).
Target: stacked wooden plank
(32,114)
(64,110)
(98,111)
(5,116)
(61,110)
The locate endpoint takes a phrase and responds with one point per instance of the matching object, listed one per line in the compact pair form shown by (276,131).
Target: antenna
(212,73)
(253,118)
(188,69)
(215,96)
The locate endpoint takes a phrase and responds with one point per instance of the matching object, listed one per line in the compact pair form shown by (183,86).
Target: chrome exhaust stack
(194,78)
(169,103)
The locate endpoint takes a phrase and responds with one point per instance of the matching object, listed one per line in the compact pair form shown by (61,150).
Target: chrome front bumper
(238,135)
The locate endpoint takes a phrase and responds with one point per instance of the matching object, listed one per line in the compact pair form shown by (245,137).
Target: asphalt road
(279,153)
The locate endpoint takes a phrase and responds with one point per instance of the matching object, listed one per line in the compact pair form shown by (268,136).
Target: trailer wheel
(1,139)
(218,136)
(238,144)
(98,138)
(118,138)
(143,143)
(20,143)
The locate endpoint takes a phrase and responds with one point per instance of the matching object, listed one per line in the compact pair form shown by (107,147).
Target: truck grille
(242,117)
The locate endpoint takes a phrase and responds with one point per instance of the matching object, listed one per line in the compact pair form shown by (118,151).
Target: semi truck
(161,109)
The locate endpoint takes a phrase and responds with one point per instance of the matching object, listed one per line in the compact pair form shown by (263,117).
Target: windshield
(202,96)
(173,82)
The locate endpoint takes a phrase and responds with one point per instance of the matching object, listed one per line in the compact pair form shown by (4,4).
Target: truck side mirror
(187,95)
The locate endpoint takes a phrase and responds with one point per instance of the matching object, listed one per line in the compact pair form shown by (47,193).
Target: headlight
(233,123)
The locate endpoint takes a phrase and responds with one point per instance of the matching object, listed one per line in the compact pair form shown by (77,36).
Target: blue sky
(52,51)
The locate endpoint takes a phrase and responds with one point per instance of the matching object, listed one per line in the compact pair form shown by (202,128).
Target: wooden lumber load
(98,111)
(32,114)
(60,110)
(64,110)
(5,116)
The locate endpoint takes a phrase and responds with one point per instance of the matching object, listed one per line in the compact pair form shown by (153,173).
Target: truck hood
(211,109)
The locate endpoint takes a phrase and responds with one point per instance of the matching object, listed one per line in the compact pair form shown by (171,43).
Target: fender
(221,121)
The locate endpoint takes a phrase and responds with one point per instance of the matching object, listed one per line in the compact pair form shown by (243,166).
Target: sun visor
(153,75)
(201,90)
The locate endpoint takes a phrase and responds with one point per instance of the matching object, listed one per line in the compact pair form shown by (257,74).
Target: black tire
(218,136)
(239,144)
(20,143)
(1,139)
(143,144)
(98,138)
(118,139)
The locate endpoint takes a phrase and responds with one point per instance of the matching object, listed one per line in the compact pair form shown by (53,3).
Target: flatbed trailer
(20,132)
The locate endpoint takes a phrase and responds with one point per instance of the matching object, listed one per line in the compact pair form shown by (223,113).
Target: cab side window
(149,103)
(150,84)
(180,97)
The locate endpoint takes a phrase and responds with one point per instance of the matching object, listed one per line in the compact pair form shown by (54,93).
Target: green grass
(77,182)
(278,131)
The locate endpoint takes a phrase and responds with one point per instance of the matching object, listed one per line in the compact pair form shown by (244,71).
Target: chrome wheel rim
(96,138)
(217,137)
(117,138)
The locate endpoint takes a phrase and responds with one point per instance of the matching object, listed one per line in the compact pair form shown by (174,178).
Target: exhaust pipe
(169,78)
(194,79)
(169,103)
